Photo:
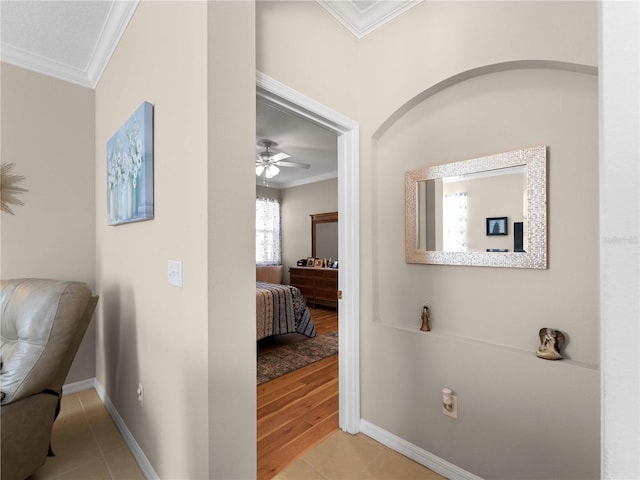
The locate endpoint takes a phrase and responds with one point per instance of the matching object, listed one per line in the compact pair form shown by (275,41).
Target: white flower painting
(130,169)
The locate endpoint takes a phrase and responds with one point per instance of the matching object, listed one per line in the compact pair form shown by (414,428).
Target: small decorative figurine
(425,319)
(551,341)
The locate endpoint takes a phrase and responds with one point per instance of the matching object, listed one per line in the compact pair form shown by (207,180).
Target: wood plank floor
(298,410)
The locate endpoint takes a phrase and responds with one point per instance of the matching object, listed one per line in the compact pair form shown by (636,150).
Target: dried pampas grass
(9,189)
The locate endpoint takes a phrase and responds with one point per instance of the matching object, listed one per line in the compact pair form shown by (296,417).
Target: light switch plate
(174,273)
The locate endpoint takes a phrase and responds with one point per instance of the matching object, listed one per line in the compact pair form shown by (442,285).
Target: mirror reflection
(324,235)
(488,211)
(453,211)
(327,240)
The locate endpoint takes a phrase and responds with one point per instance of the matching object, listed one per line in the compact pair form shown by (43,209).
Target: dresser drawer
(318,285)
(331,273)
(325,283)
(300,280)
(326,294)
(308,292)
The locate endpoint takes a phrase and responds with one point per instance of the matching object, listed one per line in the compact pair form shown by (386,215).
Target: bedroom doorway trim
(285,98)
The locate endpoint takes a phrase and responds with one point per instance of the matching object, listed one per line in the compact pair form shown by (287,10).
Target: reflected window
(454,228)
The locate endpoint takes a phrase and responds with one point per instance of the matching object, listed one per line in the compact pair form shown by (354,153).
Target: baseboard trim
(141,459)
(75,387)
(409,450)
(417,454)
(139,456)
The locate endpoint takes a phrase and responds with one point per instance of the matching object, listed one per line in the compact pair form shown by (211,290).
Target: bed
(281,309)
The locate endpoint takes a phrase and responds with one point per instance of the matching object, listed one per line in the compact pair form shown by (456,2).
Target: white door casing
(275,93)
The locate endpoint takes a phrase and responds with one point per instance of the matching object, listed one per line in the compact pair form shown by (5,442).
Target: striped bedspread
(281,309)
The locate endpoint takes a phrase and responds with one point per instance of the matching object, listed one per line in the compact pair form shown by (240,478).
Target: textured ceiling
(70,40)
(70,35)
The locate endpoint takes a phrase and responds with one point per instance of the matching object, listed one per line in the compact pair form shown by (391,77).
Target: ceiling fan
(267,162)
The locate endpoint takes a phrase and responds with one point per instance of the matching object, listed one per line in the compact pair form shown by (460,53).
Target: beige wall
(193,348)
(47,131)
(485,320)
(301,45)
(232,240)
(438,40)
(297,204)
(267,192)
(148,331)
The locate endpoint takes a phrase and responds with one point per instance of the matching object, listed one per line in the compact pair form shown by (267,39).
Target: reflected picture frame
(496,226)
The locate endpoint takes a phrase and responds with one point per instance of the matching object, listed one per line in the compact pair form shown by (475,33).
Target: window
(268,232)
(455,222)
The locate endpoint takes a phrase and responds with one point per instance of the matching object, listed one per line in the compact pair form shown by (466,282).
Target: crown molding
(362,22)
(115,24)
(36,63)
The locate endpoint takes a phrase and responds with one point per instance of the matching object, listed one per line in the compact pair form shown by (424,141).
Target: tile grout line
(95,438)
(364,466)
(314,468)
(373,459)
(62,475)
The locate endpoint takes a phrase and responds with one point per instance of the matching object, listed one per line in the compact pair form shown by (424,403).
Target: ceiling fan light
(259,170)
(272,171)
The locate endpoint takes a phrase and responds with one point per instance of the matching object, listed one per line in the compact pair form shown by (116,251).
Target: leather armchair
(43,322)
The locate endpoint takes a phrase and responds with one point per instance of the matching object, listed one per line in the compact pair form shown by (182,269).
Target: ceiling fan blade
(278,156)
(292,164)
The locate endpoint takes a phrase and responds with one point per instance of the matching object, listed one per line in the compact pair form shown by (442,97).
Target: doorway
(279,95)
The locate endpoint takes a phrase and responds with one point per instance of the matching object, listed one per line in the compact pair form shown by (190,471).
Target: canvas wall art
(130,169)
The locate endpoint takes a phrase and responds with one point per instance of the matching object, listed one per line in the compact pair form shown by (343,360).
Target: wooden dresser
(318,285)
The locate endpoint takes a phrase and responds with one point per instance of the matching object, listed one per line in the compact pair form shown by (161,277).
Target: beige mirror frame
(534,159)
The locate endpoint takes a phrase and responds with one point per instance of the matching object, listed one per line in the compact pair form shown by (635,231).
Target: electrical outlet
(451,410)
(140,395)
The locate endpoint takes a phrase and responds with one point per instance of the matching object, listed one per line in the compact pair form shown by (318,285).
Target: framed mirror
(489,211)
(324,235)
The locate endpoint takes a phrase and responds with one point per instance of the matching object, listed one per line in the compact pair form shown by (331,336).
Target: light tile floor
(350,457)
(88,446)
